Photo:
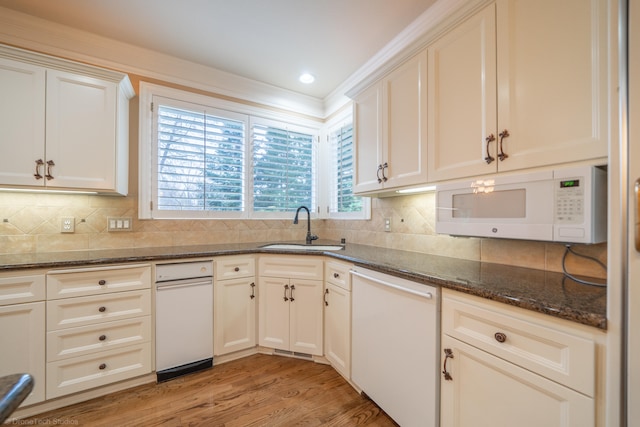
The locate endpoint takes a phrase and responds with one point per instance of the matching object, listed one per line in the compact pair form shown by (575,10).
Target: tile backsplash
(30,223)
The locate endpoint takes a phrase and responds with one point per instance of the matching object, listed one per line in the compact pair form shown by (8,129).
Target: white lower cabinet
(234,299)
(22,330)
(337,316)
(100,337)
(485,390)
(504,367)
(290,308)
(22,344)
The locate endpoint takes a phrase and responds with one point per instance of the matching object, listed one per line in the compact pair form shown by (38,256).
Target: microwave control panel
(569,201)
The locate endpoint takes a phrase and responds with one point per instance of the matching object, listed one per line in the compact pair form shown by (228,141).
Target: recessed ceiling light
(307,78)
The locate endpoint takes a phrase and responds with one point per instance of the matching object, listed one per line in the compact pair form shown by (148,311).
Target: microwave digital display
(570,183)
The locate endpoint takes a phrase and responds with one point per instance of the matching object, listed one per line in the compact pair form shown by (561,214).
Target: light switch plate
(119,223)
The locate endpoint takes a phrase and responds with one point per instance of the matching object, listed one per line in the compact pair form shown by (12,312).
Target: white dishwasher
(395,346)
(184,318)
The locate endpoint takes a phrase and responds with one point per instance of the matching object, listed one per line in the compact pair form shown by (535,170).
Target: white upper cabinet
(390,129)
(521,84)
(22,108)
(462,98)
(81,131)
(65,125)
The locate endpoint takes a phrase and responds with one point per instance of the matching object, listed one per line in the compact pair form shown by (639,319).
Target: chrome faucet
(310,237)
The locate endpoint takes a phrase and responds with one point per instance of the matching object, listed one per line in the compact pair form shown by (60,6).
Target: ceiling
(271,41)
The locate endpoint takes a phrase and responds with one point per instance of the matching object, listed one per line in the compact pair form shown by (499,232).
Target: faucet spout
(310,237)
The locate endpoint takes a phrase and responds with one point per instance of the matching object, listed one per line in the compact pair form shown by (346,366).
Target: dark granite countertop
(542,291)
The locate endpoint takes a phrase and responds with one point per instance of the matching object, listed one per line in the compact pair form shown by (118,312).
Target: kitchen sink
(302,247)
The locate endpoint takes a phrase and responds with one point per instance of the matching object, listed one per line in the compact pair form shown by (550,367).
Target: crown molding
(28,32)
(438,18)
(31,33)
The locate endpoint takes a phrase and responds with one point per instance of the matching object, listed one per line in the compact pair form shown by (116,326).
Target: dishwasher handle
(427,295)
(182,284)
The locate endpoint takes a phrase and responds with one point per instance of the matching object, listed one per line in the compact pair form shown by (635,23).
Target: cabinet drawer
(19,289)
(293,267)
(93,281)
(81,311)
(555,354)
(85,372)
(71,342)
(338,274)
(234,266)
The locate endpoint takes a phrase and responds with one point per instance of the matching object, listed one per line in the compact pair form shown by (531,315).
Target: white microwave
(562,205)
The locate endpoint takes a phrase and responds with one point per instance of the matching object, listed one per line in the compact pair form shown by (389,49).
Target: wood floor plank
(259,390)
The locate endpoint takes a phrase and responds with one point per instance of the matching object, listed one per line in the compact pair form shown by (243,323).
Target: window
(204,157)
(200,161)
(341,140)
(343,203)
(283,167)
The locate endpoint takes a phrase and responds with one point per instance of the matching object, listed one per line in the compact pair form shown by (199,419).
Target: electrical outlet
(387,224)
(67,224)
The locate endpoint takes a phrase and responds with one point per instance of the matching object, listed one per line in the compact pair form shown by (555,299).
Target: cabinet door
(306,316)
(22,344)
(367,129)
(337,328)
(552,81)
(22,112)
(486,391)
(405,124)
(81,131)
(462,99)
(273,309)
(235,315)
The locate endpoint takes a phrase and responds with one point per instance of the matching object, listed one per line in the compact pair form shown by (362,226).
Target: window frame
(191,214)
(343,118)
(147,154)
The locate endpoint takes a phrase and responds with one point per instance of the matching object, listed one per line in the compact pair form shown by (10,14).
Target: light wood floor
(259,390)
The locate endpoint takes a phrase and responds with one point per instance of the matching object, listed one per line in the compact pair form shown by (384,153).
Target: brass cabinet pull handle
(39,163)
(48,174)
(489,140)
(102,282)
(293,288)
(326,292)
(378,174)
(253,290)
(102,309)
(286,287)
(102,366)
(385,166)
(500,337)
(102,337)
(236,269)
(448,354)
(504,134)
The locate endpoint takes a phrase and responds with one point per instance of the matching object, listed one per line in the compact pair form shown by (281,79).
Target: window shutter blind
(282,168)
(200,161)
(342,159)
